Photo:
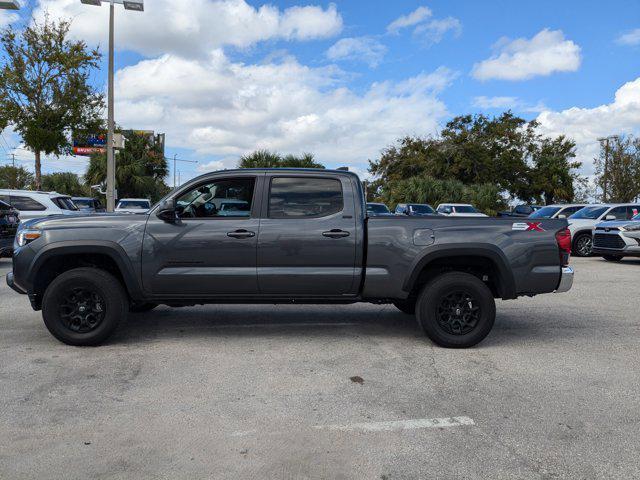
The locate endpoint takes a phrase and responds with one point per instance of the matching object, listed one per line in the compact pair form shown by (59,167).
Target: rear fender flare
(486,251)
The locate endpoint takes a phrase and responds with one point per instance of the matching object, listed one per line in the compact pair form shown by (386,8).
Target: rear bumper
(566,280)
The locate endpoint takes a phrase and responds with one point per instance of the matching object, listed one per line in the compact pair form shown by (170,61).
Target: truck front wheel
(456,310)
(83,306)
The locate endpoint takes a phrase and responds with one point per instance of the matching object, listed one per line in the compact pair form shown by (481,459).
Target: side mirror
(610,217)
(167,211)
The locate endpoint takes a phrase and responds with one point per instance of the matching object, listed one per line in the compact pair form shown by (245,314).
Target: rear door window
(26,203)
(300,197)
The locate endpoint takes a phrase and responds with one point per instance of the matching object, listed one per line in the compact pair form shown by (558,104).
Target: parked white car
(557,211)
(459,210)
(133,205)
(34,204)
(583,222)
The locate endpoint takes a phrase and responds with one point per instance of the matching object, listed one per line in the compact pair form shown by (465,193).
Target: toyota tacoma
(292,236)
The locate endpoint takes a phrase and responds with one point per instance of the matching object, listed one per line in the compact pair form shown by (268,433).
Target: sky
(344,80)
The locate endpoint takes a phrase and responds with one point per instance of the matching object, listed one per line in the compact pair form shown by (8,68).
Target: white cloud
(7,18)
(195,27)
(417,16)
(217,165)
(586,125)
(631,38)
(365,49)
(511,103)
(434,30)
(225,109)
(521,59)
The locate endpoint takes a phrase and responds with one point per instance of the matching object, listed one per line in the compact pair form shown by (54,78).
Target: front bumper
(12,284)
(566,280)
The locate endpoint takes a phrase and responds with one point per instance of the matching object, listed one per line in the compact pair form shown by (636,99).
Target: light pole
(136,5)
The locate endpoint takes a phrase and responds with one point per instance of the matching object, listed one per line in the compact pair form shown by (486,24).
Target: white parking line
(400,425)
(391,426)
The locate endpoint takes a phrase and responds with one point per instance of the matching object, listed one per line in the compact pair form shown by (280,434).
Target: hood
(477,214)
(575,223)
(92,220)
(617,223)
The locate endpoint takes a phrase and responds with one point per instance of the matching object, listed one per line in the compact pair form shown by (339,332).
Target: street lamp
(136,5)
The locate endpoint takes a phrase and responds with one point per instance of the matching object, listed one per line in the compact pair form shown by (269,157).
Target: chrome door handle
(241,234)
(335,233)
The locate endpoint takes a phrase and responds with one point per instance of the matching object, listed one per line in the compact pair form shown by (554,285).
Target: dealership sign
(90,143)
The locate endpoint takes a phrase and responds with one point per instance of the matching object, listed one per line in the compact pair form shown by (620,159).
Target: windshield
(134,204)
(83,202)
(589,213)
(422,209)
(377,208)
(465,209)
(545,212)
(65,203)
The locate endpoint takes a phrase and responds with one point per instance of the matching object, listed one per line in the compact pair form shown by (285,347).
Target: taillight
(563,239)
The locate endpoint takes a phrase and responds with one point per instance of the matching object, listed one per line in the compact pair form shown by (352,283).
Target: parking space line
(400,425)
(392,426)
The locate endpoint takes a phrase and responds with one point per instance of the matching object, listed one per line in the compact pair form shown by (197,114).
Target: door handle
(335,233)
(241,234)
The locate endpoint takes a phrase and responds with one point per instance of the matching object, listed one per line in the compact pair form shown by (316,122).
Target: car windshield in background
(465,209)
(422,209)
(84,203)
(545,212)
(141,204)
(589,213)
(377,208)
(65,203)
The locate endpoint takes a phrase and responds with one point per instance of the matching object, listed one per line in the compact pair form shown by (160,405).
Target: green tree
(425,189)
(140,169)
(15,178)
(44,87)
(553,175)
(267,159)
(505,151)
(64,182)
(618,169)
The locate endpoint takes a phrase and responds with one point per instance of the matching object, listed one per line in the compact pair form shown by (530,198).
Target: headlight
(633,227)
(27,236)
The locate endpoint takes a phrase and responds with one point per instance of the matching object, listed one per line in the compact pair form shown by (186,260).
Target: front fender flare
(111,249)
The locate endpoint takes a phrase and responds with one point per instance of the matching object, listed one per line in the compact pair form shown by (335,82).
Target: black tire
(407,306)
(612,258)
(142,307)
(71,294)
(442,304)
(582,245)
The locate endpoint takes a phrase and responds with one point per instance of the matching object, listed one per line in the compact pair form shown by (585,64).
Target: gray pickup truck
(283,236)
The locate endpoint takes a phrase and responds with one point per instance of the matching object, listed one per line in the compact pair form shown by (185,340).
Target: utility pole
(174,168)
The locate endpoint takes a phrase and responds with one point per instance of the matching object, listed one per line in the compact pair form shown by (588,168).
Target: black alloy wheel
(82,309)
(458,313)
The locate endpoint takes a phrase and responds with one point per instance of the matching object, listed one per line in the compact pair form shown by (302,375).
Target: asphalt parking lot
(330,392)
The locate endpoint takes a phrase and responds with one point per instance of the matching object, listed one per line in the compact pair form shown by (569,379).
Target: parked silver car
(616,240)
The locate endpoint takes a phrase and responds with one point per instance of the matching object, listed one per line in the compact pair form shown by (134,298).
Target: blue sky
(344,79)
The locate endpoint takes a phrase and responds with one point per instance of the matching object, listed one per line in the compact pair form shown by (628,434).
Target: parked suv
(34,204)
(557,211)
(133,205)
(414,209)
(616,240)
(520,211)
(458,210)
(8,226)
(88,204)
(583,222)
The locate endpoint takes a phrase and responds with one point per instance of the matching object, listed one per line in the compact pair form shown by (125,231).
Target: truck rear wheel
(456,310)
(84,306)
